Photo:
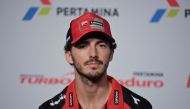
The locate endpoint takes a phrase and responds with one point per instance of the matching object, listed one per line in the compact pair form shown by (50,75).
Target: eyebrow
(99,41)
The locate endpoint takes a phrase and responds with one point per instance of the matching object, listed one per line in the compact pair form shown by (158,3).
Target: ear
(68,57)
(111,55)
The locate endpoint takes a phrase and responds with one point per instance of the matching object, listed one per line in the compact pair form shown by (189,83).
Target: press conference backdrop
(152,57)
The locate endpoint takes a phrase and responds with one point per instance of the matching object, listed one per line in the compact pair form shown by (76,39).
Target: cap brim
(98,34)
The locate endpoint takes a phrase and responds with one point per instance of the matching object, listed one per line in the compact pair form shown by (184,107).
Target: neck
(92,94)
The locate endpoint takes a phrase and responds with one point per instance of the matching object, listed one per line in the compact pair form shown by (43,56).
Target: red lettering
(30,79)
(52,81)
(141,84)
(130,82)
(188,82)
(133,82)
(65,81)
(158,84)
(22,79)
(149,83)
(39,80)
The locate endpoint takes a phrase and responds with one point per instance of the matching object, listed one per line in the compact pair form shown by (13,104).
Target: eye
(103,45)
(81,46)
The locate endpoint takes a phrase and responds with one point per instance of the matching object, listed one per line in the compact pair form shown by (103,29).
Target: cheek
(79,57)
(106,56)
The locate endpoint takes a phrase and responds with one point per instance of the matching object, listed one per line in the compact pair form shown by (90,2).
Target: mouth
(93,64)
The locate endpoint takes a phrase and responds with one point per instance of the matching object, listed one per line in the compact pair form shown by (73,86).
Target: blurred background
(152,57)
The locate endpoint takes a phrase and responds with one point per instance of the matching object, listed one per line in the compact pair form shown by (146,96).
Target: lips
(93,64)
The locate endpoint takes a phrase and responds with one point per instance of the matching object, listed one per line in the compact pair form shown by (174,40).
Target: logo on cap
(95,23)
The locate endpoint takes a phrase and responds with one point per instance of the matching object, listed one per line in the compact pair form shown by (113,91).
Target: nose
(93,52)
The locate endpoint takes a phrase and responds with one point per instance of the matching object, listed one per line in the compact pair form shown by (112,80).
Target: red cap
(89,22)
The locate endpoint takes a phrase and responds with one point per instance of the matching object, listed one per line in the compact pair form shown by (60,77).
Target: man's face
(91,57)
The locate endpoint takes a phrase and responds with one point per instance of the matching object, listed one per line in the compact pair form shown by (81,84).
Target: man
(89,49)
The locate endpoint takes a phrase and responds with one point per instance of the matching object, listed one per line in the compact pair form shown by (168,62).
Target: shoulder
(135,100)
(56,102)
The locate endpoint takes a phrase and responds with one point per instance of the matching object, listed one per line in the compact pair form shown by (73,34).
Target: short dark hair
(68,44)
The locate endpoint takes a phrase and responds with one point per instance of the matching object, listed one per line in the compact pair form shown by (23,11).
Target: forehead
(94,37)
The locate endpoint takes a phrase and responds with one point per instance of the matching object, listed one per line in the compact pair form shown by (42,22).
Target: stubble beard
(93,76)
